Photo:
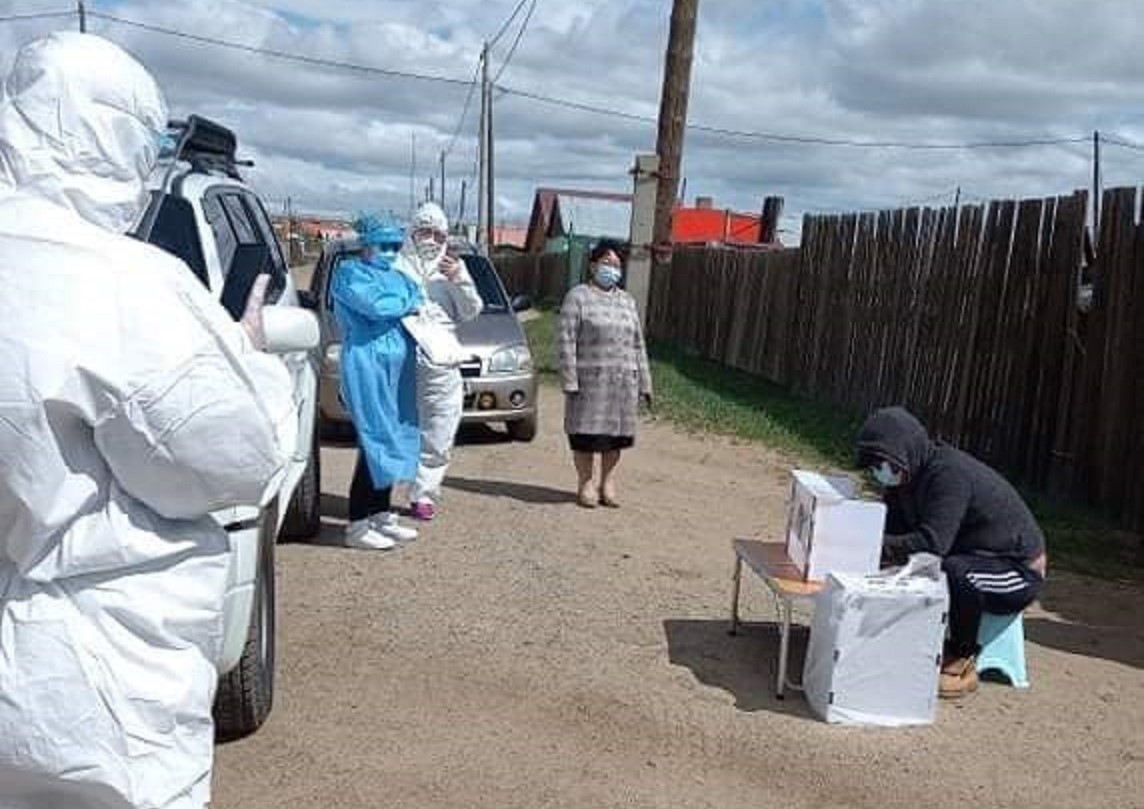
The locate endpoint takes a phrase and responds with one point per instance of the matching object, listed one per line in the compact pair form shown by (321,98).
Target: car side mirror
(290,329)
(521,302)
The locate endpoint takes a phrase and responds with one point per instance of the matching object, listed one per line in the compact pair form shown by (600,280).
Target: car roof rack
(206,145)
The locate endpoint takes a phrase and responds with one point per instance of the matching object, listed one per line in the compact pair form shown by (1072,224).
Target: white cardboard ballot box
(874,655)
(829,530)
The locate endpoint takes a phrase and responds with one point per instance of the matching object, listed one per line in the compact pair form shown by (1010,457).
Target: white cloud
(903,70)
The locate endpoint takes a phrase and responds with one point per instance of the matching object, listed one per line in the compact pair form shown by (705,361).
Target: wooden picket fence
(968,316)
(541,276)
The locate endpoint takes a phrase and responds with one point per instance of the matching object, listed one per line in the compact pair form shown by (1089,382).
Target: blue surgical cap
(373,231)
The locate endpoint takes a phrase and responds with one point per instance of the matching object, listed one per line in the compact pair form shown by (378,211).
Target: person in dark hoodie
(943,501)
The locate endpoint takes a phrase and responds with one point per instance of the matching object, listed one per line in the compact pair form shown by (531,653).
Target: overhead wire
(277,54)
(43,15)
(464,110)
(505,25)
(1123,143)
(787,138)
(516,42)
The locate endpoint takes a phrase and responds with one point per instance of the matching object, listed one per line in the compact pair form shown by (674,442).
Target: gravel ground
(529,653)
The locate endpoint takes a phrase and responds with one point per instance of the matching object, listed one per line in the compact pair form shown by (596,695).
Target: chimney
(769,224)
(704,203)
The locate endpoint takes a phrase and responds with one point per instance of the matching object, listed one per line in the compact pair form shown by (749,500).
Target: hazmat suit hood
(426,259)
(894,434)
(133,409)
(80,122)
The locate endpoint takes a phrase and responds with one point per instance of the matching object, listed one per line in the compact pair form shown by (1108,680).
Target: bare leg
(608,462)
(585,466)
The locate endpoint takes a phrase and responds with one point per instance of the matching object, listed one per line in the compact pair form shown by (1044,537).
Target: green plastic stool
(1002,641)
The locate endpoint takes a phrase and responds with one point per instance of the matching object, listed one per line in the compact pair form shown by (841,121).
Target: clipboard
(439,344)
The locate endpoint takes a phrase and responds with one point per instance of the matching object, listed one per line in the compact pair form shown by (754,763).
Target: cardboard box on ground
(829,529)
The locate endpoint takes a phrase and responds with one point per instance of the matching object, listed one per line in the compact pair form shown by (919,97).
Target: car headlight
(511,360)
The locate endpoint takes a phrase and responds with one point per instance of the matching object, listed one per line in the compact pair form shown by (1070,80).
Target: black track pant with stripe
(980,584)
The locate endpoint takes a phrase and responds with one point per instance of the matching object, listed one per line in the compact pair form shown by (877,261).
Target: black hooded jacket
(950,502)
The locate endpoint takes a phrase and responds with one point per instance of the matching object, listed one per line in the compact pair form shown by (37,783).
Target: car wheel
(522,429)
(304,516)
(246,693)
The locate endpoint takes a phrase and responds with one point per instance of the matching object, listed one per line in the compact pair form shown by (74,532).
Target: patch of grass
(541,332)
(706,397)
(1083,541)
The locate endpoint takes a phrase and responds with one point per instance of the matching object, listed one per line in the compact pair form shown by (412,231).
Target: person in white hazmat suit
(451,297)
(131,406)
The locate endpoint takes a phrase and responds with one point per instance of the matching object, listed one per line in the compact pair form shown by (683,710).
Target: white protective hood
(79,125)
(131,407)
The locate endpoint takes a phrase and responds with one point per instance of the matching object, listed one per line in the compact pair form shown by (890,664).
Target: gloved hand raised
(252,314)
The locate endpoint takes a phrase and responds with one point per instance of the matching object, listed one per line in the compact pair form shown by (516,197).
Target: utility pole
(442,179)
(646,173)
(1095,186)
(483,145)
(673,114)
(432,195)
(412,172)
(491,205)
(461,207)
(82,17)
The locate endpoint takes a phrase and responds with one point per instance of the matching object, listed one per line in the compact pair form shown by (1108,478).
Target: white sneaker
(388,526)
(365,535)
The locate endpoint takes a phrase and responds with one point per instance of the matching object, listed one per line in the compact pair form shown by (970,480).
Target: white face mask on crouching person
(885,475)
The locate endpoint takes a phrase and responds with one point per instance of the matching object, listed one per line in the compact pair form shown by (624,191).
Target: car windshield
(480,268)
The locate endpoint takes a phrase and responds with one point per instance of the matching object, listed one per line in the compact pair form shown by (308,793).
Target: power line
(505,25)
(46,15)
(799,139)
(464,110)
(516,42)
(1122,143)
(292,57)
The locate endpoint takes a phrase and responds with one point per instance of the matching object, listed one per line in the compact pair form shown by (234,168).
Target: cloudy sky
(900,71)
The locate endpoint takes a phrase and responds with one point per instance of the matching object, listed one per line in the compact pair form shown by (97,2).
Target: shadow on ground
(524,492)
(743,665)
(1091,618)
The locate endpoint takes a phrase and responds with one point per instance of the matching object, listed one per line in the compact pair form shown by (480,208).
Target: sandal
(586,499)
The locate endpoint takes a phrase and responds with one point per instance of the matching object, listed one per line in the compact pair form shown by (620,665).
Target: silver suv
(203,212)
(499,378)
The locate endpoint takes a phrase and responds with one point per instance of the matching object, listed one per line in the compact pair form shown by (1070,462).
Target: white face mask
(430,251)
(885,475)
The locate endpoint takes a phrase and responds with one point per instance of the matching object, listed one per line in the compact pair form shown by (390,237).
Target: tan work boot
(958,677)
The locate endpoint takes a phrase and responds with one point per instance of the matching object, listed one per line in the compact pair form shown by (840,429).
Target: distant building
(563,216)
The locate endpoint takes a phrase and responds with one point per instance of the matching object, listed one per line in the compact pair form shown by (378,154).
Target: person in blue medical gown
(378,380)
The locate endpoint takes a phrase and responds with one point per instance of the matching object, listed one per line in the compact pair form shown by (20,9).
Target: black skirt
(589,442)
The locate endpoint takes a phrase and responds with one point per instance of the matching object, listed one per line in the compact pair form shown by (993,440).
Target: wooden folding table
(770,562)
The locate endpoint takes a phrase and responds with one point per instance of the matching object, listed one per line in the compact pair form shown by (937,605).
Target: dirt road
(528,653)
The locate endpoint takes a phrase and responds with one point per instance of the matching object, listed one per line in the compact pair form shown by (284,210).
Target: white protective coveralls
(440,389)
(131,406)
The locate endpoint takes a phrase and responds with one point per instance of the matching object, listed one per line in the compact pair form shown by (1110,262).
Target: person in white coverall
(451,297)
(131,407)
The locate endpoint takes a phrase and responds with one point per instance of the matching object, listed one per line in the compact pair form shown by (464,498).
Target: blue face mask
(885,475)
(606,275)
(382,256)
